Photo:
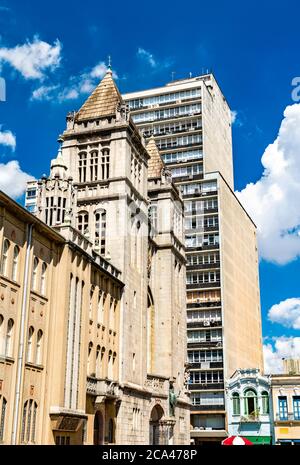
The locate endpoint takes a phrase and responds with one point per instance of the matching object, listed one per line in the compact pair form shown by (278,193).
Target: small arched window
(98,361)
(39,340)
(43,278)
(83,222)
(4,258)
(30,344)
(236,404)
(265,402)
(29,422)
(9,337)
(15,263)
(110,370)
(34,274)
(89,358)
(2,338)
(3,404)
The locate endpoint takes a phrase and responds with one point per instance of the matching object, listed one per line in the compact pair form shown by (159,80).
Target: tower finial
(109,62)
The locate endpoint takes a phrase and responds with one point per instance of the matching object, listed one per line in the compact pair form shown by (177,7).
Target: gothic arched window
(30,344)
(94,166)
(105,164)
(15,263)
(3,404)
(29,422)
(43,278)
(83,222)
(82,166)
(34,273)
(100,230)
(6,245)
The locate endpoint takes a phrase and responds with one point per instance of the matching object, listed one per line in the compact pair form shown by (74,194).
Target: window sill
(7,359)
(34,365)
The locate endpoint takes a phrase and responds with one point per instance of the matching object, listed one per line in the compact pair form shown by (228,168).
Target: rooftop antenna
(173,74)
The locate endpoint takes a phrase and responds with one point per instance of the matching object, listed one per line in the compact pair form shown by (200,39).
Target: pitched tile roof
(155,163)
(102,102)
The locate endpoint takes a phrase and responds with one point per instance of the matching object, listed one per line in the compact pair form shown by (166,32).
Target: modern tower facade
(191,123)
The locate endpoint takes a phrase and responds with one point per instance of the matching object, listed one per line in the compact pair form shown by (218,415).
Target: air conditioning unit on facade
(206,323)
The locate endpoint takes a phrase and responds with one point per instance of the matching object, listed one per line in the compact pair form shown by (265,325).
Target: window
(100,231)
(182,156)
(3,404)
(83,222)
(153,216)
(30,344)
(62,440)
(2,338)
(282,404)
(111,431)
(94,166)
(43,278)
(296,407)
(265,402)
(29,422)
(15,263)
(89,358)
(5,250)
(34,273)
(236,404)
(250,402)
(9,335)
(31,193)
(98,360)
(38,357)
(82,166)
(110,371)
(105,164)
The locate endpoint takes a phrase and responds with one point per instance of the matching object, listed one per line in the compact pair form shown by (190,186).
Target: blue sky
(253,50)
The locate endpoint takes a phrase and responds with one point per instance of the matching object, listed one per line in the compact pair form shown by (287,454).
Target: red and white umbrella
(236,441)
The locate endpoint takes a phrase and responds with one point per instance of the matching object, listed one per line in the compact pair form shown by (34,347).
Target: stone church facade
(116,365)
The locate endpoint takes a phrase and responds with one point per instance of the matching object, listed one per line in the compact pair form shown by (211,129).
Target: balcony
(203,285)
(204,344)
(289,417)
(204,323)
(204,408)
(199,365)
(215,303)
(251,418)
(206,386)
(204,266)
(102,387)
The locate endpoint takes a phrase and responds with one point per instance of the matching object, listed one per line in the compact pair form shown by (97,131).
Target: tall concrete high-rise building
(190,121)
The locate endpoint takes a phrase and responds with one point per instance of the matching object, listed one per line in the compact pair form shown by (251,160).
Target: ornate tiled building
(105,267)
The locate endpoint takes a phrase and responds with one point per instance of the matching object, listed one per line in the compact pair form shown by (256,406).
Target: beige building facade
(108,225)
(285,393)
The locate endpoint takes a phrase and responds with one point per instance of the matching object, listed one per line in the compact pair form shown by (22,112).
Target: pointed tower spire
(103,101)
(155,163)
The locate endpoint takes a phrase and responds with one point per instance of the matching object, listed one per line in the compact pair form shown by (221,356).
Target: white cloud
(32,59)
(78,85)
(12,179)
(8,138)
(286,313)
(283,347)
(147,56)
(233,116)
(43,93)
(273,201)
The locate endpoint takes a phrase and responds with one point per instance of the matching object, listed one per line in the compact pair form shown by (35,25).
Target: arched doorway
(98,429)
(156,415)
